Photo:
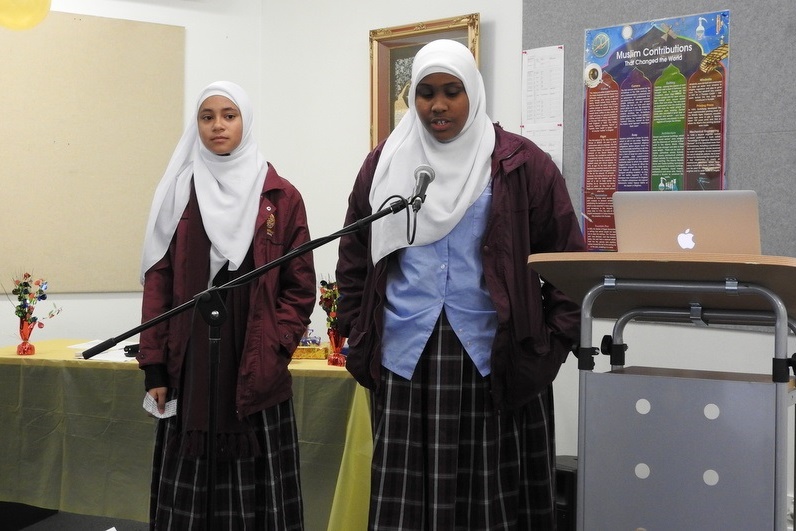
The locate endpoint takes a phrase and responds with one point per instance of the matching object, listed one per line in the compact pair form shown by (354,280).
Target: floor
(18,517)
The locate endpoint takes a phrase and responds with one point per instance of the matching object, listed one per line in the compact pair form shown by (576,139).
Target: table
(73,437)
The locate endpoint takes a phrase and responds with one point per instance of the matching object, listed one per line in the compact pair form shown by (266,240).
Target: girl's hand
(159,394)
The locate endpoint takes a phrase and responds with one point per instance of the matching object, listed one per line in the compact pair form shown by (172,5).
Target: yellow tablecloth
(73,437)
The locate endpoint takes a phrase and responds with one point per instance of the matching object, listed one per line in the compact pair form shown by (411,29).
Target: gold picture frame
(391,53)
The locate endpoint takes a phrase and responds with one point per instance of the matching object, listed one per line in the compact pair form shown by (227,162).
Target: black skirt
(253,493)
(445,459)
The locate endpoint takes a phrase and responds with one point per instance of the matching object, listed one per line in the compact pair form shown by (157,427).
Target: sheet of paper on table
(115,353)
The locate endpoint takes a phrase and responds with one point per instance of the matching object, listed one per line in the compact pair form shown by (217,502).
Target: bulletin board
(92,110)
(761,118)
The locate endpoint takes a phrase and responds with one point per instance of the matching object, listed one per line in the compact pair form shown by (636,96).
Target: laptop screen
(699,221)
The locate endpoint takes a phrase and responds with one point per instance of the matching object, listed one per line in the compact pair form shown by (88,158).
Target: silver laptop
(699,221)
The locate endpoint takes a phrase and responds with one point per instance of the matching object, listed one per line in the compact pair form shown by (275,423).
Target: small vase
(25,348)
(336,341)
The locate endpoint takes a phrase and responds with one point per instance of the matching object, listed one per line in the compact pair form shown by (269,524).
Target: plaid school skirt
(257,493)
(444,459)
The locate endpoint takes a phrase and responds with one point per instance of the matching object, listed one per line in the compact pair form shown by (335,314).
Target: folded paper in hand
(151,407)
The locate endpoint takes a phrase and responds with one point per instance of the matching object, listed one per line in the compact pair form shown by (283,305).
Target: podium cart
(670,448)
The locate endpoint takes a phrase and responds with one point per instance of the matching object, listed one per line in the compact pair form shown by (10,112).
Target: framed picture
(392,51)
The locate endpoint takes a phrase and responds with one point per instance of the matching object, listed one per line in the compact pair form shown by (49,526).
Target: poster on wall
(655,103)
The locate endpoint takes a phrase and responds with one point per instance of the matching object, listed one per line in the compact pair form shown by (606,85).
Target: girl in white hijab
(219,212)
(224,183)
(457,338)
(461,165)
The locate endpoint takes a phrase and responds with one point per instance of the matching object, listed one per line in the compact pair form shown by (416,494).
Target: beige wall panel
(91,110)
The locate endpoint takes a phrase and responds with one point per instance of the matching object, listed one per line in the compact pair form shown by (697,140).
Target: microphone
(424,175)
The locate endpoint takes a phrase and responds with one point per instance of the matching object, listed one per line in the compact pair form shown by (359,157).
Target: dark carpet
(19,517)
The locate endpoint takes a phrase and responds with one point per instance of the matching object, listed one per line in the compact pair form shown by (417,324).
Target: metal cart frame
(698,289)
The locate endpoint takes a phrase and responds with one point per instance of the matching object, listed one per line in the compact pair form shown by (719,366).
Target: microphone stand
(214,313)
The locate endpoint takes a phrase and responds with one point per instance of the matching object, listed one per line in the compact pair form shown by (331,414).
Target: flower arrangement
(328,301)
(29,291)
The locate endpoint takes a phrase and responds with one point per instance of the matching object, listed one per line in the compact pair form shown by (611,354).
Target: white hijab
(462,166)
(227,187)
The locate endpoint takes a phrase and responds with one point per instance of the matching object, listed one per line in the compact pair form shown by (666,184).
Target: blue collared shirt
(448,275)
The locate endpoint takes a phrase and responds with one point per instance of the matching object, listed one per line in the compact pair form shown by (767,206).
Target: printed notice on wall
(654,112)
(543,99)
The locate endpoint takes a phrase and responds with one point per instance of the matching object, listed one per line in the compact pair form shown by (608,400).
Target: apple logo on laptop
(686,239)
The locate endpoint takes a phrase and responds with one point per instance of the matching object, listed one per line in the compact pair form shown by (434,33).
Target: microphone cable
(411,221)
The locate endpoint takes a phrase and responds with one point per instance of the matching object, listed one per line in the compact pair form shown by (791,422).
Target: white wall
(223,40)
(316,88)
(306,65)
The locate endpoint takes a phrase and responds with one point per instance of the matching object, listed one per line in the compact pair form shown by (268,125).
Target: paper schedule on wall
(543,99)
